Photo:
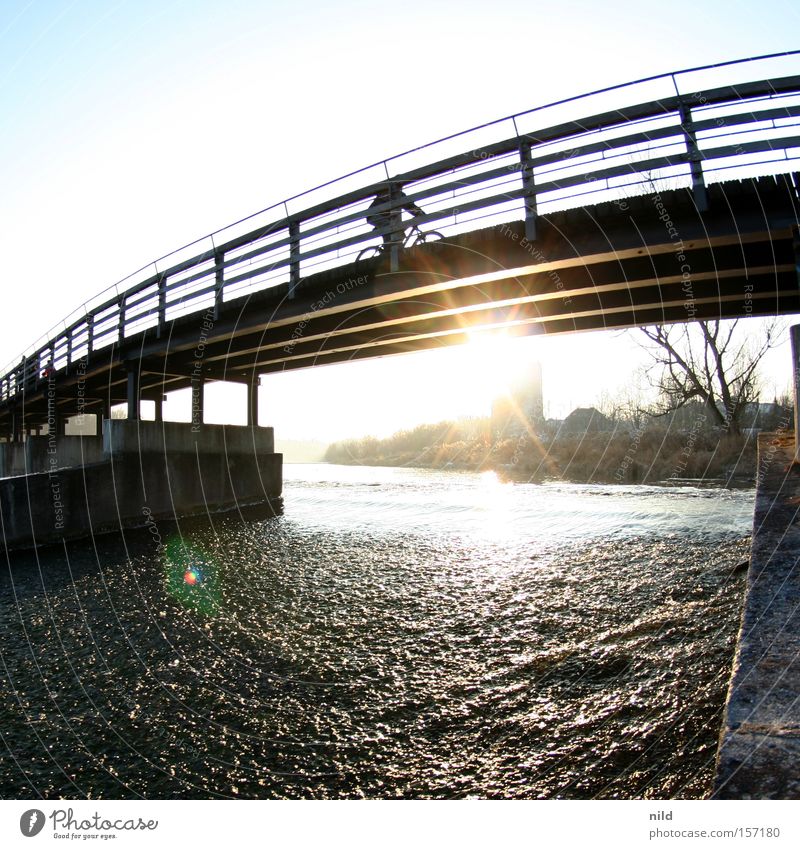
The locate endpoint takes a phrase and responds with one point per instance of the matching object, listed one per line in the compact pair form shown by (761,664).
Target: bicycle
(414,237)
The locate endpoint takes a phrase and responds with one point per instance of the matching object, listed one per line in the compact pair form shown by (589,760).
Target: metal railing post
(396,223)
(695,158)
(89,334)
(529,187)
(219,281)
(162,304)
(294,256)
(122,319)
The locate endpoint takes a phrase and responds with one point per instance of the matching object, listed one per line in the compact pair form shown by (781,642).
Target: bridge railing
(662,132)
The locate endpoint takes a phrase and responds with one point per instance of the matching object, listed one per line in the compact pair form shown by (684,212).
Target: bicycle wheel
(372,252)
(428,236)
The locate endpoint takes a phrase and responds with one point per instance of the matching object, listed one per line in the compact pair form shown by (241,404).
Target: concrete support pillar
(198,399)
(105,413)
(133,394)
(159,402)
(252,401)
(54,423)
(794,332)
(16,429)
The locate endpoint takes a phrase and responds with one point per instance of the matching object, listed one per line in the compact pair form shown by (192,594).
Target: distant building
(753,417)
(586,420)
(522,409)
(757,417)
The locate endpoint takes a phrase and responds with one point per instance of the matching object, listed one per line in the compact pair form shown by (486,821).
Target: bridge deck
(649,259)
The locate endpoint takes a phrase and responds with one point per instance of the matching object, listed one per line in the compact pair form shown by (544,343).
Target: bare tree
(625,404)
(711,362)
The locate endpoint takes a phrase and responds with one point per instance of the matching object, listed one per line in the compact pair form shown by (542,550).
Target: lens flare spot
(192,575)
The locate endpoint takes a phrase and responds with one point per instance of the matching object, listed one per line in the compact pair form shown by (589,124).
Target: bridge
(663,200)
(676,207)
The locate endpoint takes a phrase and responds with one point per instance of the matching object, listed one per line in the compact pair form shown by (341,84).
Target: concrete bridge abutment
(135,472)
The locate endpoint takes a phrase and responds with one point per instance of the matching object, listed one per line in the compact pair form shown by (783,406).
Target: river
(397,633)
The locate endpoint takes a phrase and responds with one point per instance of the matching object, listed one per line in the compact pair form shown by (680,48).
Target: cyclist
(383,219)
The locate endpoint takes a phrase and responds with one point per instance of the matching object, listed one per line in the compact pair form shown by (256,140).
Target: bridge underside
(648,260)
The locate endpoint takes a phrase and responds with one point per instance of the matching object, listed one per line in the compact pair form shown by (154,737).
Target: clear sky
(132,128)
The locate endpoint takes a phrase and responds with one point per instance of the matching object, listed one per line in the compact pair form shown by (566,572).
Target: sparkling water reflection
(396,633)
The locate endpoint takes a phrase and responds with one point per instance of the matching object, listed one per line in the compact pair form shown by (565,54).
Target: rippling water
(396,633)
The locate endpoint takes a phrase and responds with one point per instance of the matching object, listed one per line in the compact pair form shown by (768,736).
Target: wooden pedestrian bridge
(663,200)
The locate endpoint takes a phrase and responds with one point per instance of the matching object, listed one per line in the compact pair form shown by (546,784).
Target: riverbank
(759,755)
(649,455)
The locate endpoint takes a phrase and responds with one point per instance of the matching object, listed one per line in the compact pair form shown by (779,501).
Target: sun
(493,359)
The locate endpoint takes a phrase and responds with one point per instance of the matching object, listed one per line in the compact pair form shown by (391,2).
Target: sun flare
(494,359)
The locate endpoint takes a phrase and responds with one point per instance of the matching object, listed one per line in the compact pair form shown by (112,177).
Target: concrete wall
(759,754)
(122,436)
(41,454)
(44,455)
(12,459)
(134,485)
